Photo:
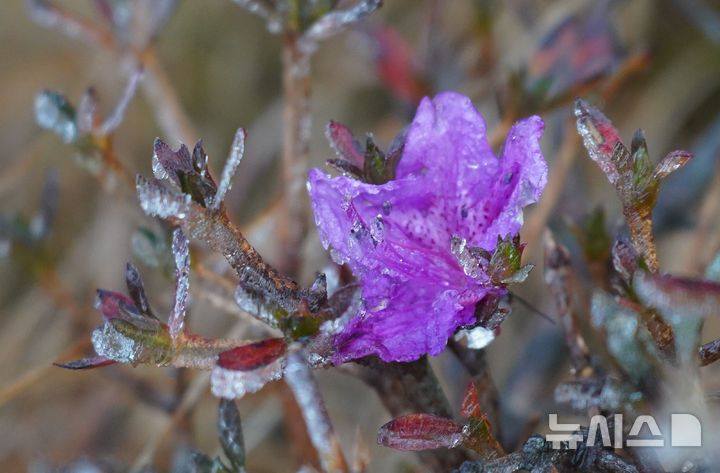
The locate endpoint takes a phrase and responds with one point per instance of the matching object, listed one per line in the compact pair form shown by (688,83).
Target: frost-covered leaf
(624,258)
(86,363)
(504,267)
(114,305)
(247,368)
(680,296)
(150,248)
(233,161)
(671,163)
(181,251)
(627,340)
(136,289)
(231,435)
(54,112)
(470,405)
(158,200)
(418,432)
(344,143)
(599,136)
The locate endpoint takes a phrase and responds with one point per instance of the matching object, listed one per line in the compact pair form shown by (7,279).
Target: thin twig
(296,151)
(31,377)
(558,276)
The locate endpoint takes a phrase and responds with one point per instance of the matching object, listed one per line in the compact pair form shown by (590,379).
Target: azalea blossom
(407,239)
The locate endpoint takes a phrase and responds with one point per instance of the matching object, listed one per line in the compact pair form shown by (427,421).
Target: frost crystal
(157,200)
(233,161)
(232,384)
(181,250)
(110,343)
(477,338)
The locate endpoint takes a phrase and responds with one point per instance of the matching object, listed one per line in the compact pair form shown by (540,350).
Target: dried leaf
(417,432)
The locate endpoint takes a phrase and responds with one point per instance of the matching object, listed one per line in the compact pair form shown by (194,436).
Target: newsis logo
(685,431)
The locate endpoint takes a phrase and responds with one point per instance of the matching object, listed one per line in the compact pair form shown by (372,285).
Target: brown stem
(296,151)
(410,388)
(558,276)
(640,223)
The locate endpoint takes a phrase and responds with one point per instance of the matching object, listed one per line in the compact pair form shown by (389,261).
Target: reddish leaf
(396,66)
(470,405)
(624,258)
(420,432)
(671,163)
(672,295)
(113,305)
(253,356)
(599,136)
(86,363)
(344,143)
(167,163)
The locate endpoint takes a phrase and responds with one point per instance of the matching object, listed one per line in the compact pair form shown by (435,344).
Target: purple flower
(399,237)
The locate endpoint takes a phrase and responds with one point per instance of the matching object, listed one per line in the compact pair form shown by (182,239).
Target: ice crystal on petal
(419,242)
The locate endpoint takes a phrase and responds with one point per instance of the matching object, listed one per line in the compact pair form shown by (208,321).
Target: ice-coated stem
(640,223)
(297,124)
(307,394)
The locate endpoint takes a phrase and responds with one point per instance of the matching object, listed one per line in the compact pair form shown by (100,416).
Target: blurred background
(649,64)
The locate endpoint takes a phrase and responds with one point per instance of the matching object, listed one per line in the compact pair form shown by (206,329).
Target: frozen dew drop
(110,343)
(476,338)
